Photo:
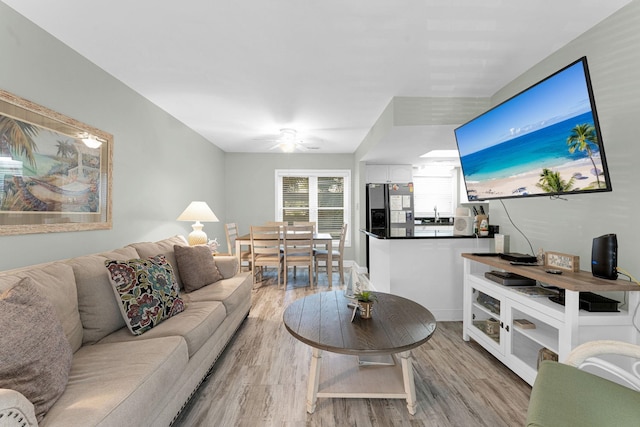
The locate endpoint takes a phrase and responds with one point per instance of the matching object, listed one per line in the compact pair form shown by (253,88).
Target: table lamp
(198,211)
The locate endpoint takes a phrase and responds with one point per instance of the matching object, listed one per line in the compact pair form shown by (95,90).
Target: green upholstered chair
(566,395)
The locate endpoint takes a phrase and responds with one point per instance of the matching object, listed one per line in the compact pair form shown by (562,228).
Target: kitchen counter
(426,268)
(419,234)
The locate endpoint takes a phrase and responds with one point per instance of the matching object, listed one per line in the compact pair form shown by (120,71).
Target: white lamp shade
(198,211)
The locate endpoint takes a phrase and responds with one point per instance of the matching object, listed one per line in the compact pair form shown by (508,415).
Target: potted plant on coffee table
(365,303)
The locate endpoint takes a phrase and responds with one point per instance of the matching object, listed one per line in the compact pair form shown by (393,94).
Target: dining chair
(307,223)
(321,255)
(276,223)
(232,234)
(298,250)
(281,224)
(265,250)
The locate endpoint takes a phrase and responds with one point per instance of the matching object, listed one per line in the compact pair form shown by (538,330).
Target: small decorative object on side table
(213,245)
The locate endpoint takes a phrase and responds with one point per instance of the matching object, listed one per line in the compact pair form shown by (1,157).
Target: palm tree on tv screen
(583,137)
(552,182)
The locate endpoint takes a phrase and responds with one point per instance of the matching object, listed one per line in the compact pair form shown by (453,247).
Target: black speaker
(604,257)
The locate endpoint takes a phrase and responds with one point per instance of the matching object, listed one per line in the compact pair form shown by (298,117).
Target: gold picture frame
(562,261)
(55,172)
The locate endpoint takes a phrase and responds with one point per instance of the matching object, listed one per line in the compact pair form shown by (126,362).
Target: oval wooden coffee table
(323,321)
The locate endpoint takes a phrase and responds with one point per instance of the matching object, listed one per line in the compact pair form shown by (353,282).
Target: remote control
(528,264)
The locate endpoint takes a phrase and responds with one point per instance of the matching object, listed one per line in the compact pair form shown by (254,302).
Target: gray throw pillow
(35,355)
(196,266)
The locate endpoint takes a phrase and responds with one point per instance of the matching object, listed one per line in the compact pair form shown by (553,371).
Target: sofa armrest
(585,355)
(227,265)
(16,410)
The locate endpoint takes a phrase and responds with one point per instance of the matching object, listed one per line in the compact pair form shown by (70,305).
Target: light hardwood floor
(261,379)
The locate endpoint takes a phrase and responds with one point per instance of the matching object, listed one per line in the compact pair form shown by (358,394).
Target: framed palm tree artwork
(55,172)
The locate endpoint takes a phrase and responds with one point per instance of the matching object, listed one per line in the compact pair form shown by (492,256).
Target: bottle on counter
(484,228)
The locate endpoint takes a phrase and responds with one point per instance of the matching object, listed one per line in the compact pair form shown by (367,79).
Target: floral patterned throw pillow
(146,290)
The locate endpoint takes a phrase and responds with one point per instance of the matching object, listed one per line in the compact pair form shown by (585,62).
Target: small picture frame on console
(546,354)
(562,261)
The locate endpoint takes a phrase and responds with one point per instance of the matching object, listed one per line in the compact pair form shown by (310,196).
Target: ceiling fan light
(287,135)
(288,146)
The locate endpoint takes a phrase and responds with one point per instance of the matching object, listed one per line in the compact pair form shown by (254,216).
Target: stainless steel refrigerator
(390,209)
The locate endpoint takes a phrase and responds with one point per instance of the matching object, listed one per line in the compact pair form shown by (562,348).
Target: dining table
(318,239)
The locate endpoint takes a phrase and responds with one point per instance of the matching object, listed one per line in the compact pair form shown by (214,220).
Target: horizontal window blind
(331,205)
(295,199)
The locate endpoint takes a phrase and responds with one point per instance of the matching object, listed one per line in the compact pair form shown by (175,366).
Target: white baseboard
(354,265)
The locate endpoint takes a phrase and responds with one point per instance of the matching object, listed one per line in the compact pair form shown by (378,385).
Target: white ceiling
(238,71)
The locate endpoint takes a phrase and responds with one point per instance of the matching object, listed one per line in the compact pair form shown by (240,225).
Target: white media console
(555,327)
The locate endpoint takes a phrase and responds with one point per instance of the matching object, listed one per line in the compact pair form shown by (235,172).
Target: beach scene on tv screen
(543,141)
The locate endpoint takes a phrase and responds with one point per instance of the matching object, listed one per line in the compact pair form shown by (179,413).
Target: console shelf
(544,335)
(555,327)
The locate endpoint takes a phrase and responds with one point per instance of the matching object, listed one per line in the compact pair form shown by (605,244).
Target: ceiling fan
(288,141)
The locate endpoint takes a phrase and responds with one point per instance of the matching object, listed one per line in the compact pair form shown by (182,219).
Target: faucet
(435,214)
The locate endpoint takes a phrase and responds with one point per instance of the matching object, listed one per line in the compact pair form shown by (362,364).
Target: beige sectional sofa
(118,378)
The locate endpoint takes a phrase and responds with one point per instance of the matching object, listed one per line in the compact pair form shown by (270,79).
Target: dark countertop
(432,221)
(427,234)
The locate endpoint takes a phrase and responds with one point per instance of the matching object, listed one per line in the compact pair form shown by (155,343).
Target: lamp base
(197,236)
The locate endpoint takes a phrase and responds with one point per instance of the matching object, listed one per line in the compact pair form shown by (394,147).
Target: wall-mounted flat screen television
(544,141)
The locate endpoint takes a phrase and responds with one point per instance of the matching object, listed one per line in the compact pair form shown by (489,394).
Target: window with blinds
(430,191)
(320,196)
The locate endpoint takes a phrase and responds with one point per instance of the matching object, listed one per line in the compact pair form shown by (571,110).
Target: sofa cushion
(57,283)
(99,309)
(146,290)
(233,293)
(118,384)
(197,267)
(164,247)
(35,355)
(227,265)
(196,325)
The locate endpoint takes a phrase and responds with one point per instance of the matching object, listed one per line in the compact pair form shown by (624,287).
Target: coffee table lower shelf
(342,376)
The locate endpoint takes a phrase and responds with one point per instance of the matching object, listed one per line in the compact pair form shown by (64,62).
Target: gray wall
(159,164)
(613,54)
(250,184)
